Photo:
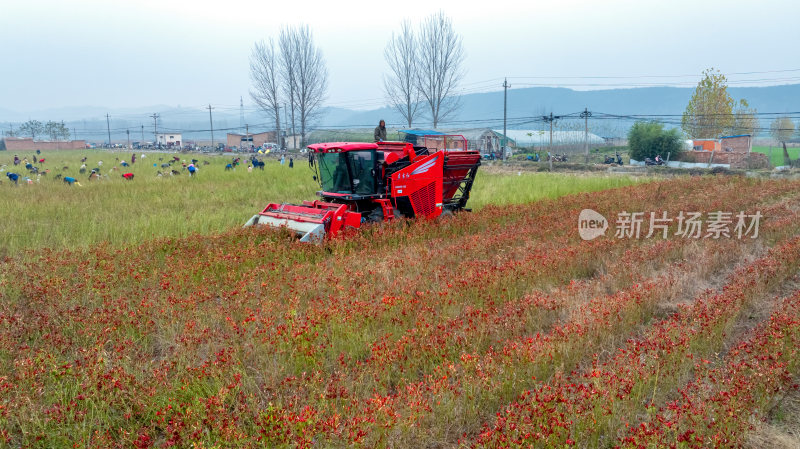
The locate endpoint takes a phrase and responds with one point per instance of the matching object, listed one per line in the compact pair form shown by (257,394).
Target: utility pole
(127,131)
(210,121)
(285,120)
(585,115)
(108,126)
(247,134)
(155,129)
(241,112)
(142,134)
(550,119)
(505,102)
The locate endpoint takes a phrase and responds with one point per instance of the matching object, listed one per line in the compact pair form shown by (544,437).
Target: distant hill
(536,101)
(525,106)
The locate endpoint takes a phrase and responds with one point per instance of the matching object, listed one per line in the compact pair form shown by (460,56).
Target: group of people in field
(35,168)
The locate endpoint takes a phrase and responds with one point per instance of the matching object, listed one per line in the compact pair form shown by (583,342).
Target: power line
(649,76)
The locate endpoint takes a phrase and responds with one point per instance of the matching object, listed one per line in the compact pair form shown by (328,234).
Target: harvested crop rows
(492,329)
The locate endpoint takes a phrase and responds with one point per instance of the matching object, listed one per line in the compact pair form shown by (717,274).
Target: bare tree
(781,129)
(264,73)
(400,85)
(745,119)
(287,70)
(31,128)
(441,55)
(310,78)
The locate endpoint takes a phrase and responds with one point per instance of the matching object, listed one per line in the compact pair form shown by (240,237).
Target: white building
(169,139)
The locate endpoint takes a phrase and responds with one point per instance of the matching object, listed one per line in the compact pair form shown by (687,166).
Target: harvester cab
(374,182)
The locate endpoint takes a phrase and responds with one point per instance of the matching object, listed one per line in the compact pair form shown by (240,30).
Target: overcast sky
(133,53)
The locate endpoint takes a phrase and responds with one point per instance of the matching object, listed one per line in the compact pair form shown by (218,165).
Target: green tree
(647,139)
(710,111)
(31,128)
(745,120)
(781,129)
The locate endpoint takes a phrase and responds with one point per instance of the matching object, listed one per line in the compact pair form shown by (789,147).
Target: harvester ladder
(459,200)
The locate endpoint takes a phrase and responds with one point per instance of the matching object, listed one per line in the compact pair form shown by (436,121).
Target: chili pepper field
(497,328)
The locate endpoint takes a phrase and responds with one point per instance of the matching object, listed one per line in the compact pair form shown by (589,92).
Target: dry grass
(782,428)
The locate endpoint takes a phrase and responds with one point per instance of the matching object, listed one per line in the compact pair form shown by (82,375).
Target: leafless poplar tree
(441,56)
(401,84)
(287,69)
(310,78)
(264,73)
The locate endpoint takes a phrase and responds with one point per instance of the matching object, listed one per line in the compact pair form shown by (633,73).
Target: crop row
(597,403)
(718,407)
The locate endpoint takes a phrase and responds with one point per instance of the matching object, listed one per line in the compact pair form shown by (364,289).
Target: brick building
(706,145)
(256,139)
(737,160)
(26,144)
(736,144)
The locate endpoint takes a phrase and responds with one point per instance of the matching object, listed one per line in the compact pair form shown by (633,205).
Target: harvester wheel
(375,215)
(446,214)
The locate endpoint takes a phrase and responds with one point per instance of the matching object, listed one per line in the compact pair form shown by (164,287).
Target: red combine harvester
(374,182)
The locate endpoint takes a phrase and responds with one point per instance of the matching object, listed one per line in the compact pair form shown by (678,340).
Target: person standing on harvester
(380,132)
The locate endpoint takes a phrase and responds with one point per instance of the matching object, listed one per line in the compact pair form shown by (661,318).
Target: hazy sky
(132,53)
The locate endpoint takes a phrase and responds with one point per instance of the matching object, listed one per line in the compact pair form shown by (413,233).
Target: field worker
(70,180)
(123,163)
(282,159)
(291,163)
(13,177)
(249,168)
(380,132)
(99,163)
(128,176)
(16,160)
(191,169)
(133,158)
